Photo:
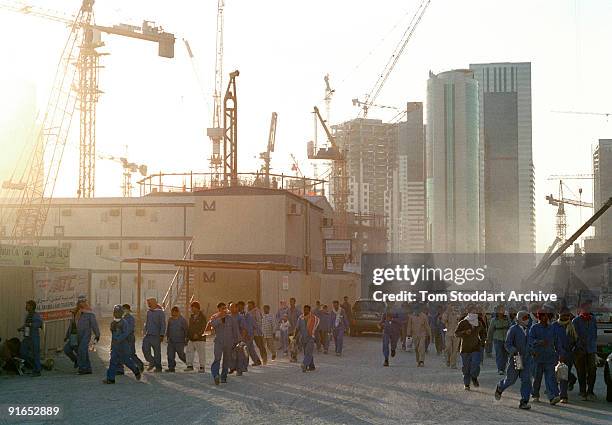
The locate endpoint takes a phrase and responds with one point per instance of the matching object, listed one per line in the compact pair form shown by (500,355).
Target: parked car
(603,316)
(367,315)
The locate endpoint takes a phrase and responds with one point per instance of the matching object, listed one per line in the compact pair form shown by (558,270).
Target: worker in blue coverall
(323,329)
(306,328)
(585,353)
(543,341)
(177,333)
(78,336)
(339,324)
(30,346)
(155,327)
(240,362)
(120,347)
(248,338)
(566,337)
(391,327)
(130,323)
(517,344)
(226,338)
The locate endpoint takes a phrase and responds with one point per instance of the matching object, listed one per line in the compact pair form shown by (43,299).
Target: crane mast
(216,132)
(88,66)
(230,132)
(266,156)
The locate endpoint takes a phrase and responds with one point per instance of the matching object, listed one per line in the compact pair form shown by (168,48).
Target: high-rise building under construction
(385,168)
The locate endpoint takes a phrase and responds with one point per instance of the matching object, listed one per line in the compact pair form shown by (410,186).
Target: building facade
(237,224)
(410,184)
(453,163)
(504,92)
(602,191)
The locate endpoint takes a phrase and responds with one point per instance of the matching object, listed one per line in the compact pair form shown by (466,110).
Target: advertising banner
(56,292)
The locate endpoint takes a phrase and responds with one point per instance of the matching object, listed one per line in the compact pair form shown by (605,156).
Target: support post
(187,272)
(138,293)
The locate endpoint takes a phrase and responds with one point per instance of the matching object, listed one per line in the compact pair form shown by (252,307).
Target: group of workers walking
(528,346)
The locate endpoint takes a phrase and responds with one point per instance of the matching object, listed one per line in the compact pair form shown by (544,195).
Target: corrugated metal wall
(16,287)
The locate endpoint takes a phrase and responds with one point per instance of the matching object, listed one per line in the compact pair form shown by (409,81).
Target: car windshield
(603,316)
(369,306)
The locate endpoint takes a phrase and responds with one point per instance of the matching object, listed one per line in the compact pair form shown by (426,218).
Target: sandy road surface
(353,389)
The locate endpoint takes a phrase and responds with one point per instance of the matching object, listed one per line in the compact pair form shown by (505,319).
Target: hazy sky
(283,48)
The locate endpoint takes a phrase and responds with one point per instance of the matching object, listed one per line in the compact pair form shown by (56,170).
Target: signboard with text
(337,247)
(56,292)
(34,256)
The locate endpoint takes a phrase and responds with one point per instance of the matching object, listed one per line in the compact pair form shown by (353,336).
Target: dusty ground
(353,389)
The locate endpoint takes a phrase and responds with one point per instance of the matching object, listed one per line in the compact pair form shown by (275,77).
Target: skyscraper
(453,163)
(409,182)
(602,191)
(505,134)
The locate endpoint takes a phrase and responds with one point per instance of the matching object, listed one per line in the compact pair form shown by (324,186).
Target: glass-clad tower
(454,163)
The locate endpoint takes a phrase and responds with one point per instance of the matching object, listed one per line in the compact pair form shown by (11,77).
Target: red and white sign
(57,292)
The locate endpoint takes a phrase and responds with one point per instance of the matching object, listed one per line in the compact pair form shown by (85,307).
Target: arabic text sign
(34,256)
(56,292)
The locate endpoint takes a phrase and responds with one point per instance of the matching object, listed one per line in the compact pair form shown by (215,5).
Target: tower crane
(216,132)
(547,261)
(560,202)
(374,92)
(266,155)
(295,166)
(37,184)
(571,177)
(129,168)
(601,114)
(337,155)
(87,65)
(329,92)
(51,141)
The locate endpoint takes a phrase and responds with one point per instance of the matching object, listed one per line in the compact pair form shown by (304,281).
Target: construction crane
(88,64)
(374,92)
(329,93)
(295,166)
(216,132)
(570,177)
(230,132)
(601,114)
(129,168)
(560,202)
(51,141)
(266,155)
(37,184)
(339,172)
(547,261)
(357,102)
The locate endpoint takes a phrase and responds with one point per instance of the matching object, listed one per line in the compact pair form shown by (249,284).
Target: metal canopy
(213,264)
